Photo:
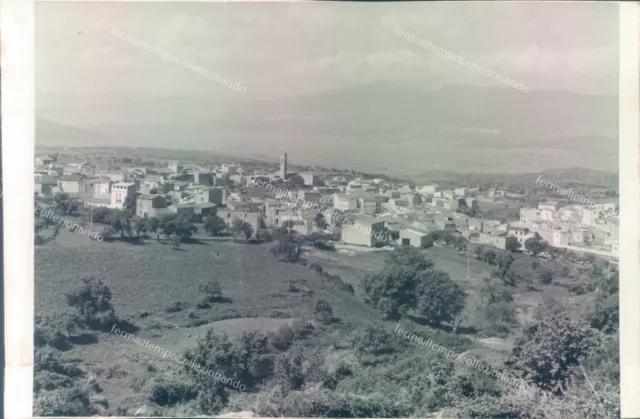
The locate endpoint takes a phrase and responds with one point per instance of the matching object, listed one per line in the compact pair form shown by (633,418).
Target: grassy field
(146,279)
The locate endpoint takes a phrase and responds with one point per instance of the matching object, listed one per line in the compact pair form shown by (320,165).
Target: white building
(343,202)
(414,238)
(119,193)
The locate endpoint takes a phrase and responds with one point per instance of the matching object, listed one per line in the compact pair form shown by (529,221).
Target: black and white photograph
(326,209)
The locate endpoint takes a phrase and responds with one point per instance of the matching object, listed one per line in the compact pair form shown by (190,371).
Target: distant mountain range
(380,126)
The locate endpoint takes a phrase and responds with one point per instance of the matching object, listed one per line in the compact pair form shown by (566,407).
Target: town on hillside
(404,213)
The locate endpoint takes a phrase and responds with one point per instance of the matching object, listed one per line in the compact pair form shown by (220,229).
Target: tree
(320,221)
(153,224)
(64,203)
(139,225)
(92,301)
(489,256)
(247,230)
(535,245)
(212,290)
(512,244)
(440,298)
(214,225)
(546,276)
(120,221)
(372,340)
(547,349)
(495,313)
(323,311)
(240,227)
(287,247)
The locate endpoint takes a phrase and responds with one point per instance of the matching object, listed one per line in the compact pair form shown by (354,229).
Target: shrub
(49,360)
(62,402)
(51,331)
(316,267)
(168,391)
(264,235)
(546,276)
(203,303)
(212,291)
(288,249)
(92,301)
(323,311)
(372,340)
(283,338)
(175,307)
(47,380)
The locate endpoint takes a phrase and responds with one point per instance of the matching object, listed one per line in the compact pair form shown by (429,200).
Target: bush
(316,267)
(546,276)
(62,402)
(323,311)
(203,303)
(264,235)
(92,300)
(212,291)
(169,391)
(51,331)
(283,338)
(175,307)
(372,340)
(47,380)
(50,360)
(288,249)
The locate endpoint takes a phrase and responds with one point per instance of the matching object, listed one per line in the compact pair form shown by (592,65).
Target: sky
(291,56)
(287,49)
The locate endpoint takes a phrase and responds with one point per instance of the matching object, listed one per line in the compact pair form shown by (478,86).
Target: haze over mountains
(457,127)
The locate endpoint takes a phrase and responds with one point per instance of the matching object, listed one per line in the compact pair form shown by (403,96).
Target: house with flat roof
(362,231)
(415,238)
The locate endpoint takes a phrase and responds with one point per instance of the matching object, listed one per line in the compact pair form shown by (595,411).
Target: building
(230,169)
(147,204)
(309,196)
(310,179)
(529,215)
(253,218)
(101,187)
(204,178)
(499,241)
(362,231)
(283,166)
(461,191)
(549,205)
(344,202)
(44,160)
(472,203)
(71,183)
(211,195)
(445,222)
(520,233)
(560,238)
(119,193)
(427,189)
(175,167)
(414,238)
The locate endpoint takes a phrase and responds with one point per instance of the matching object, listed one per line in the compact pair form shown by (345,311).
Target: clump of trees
(241,228)
(547,349)
(287,248)
(409,282)
(536,245)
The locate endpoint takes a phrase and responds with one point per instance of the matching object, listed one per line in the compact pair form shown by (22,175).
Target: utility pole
(468,271)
